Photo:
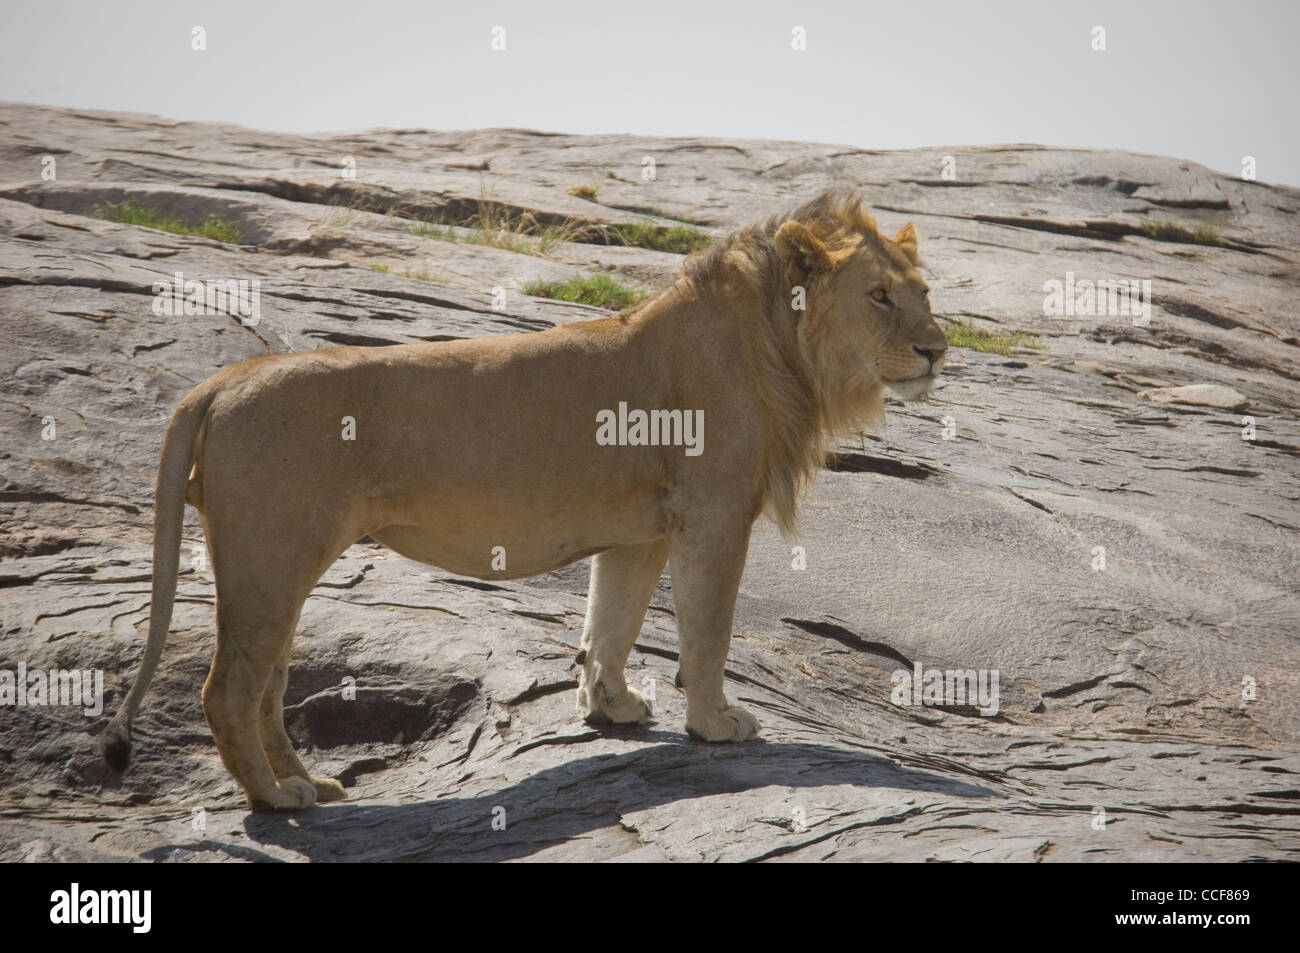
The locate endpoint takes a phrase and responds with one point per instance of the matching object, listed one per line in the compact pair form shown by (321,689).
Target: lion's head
(842,313)
(868,320)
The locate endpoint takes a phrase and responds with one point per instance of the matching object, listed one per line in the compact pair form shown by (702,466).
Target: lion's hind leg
(260,593)
(622,582)
(275,740)
(249,643)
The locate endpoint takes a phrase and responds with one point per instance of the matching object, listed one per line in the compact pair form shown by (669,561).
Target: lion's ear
(906,241)
(797,245)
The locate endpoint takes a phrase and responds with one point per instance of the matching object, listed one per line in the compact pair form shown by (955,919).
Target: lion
(481,457)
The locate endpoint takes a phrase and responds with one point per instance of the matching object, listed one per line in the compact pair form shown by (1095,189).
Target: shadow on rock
(566,802)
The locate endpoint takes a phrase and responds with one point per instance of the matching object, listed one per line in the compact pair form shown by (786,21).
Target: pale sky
(1207,81)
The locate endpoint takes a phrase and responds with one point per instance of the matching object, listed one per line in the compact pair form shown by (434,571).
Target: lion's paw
(328,789)
(730,724)
(289,794)
(598,707)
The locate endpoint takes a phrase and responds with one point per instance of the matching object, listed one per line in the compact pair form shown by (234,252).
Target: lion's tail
(169,517)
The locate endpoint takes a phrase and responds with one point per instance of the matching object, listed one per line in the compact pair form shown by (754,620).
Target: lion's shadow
(575,799)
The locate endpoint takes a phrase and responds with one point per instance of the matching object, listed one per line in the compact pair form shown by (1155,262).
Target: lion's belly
(497,544)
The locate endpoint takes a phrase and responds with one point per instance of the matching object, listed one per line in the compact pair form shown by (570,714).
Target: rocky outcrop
(1109,522)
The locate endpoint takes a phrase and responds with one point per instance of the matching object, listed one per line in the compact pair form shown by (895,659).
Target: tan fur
(469,445)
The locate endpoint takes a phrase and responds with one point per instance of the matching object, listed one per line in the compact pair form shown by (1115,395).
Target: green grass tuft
(377,266)
(131,213)
(439,232)
(1167,231)
(961,334)
(421,274)
(599,290)
(587,192)
(680,239)
(1205,235)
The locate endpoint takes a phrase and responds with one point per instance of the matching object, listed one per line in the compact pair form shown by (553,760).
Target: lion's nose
(931,353)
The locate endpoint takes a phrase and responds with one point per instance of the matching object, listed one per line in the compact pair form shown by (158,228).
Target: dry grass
(498,226)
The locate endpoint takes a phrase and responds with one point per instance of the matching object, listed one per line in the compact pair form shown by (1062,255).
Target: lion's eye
(880,298)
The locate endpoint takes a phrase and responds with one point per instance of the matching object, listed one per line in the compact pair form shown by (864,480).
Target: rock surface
(1148,709)
(1202,395)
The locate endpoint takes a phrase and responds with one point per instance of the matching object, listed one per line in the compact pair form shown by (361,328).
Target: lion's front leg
(622,582)
(706,568)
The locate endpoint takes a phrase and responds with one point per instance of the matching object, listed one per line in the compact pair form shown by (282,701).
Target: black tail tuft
(116,745)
